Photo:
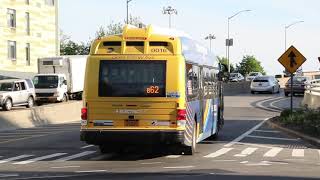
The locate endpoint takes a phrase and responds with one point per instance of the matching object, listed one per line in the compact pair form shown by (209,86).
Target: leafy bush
(306,120)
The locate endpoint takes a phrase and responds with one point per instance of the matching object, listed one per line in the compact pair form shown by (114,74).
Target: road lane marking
(179,167)
(173,156)
(64,167)
(267,131)
(274,162)
(85,153)
(88,146)
(91,171)
(298,152)
(273,152)
(253,144)
(227,160)
(276,107)
(14,158)
(244,162)
(246,152)
(8,175)
(259,104)
(245,134)
(273,138)
(218,153)
(40,158)
(262,163)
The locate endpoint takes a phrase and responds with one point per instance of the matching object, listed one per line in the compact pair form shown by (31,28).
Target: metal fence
(313,87)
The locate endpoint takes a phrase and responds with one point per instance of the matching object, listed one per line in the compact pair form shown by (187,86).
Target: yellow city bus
(149,86)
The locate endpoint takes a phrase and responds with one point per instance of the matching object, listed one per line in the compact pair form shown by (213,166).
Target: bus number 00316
(153,90)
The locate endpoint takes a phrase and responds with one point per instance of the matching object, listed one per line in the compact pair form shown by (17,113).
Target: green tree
(117,27)
(223,60)
(69,47)
(250,64)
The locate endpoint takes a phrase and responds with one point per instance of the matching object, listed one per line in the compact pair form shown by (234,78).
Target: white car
(236,77)
(252,75)
(265,84)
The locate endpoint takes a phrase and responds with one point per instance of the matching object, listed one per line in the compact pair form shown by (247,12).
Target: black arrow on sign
(292,57)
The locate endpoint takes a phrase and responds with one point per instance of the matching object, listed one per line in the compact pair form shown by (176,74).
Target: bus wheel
(105,149)
(190,150)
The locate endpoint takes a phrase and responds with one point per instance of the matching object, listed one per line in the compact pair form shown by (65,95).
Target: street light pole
(128,1)
(210,37)
(285,32)
(228,42)
(169,10)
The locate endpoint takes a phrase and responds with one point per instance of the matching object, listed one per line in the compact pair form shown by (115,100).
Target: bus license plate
(132,122)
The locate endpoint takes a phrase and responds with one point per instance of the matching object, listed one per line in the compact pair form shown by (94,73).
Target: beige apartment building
(28,31)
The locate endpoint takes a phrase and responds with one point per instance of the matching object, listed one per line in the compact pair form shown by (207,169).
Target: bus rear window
(132,78)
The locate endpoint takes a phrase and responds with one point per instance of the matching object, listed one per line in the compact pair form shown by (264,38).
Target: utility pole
(229,42)
(169,10)
(210,37)
(128,1)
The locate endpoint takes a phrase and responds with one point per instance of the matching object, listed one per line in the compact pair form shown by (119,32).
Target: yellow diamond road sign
(292,59)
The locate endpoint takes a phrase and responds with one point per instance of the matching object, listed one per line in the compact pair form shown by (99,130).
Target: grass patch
(304,120)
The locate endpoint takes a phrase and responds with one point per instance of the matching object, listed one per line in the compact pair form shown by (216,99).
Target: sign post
(292,59)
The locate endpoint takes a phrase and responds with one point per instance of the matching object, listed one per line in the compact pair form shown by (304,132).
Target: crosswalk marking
(298,152)
(85,153)
(173,156)
(273,152)
(218,153)
(246,152)
(40,158)
(14,158)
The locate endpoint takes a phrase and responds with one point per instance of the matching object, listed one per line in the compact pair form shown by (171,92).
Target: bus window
(132,79)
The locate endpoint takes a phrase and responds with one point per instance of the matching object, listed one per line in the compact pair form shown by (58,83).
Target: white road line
(91,171)
(273,152)
(245,134)
(246,152)
(40,158)
(273,138)
(253,144)
(267,131)
(14,158)
(88,146)
(179,167)
(273,106)
(8,175)
(298,152)
(244,162)
(218,153)
(224,160)
(259,104)
(85,153)
(173,156)
(64,167)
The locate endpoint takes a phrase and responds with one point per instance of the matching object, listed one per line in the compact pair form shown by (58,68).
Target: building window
(28,23)
(28,54)
(49,2)
(11,14)
(12,50)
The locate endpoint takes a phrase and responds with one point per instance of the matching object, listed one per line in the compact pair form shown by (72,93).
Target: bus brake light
(181,115)
(84,113)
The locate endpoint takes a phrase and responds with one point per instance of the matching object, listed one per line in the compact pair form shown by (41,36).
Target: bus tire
(190,150)
(105,149)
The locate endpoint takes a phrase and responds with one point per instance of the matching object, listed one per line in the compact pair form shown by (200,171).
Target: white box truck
(60,78)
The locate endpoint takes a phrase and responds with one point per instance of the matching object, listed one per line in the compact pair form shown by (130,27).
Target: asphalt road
(246,149)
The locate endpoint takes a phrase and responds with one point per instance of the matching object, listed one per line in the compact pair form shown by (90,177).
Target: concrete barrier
(311,100)
(234,88)
(42,115)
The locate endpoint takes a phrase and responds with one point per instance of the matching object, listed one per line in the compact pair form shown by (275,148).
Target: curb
(312,140)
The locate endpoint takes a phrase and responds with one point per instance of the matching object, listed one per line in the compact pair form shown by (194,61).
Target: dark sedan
(298,85)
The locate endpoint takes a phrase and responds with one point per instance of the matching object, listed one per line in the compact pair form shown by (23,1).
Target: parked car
(298,85)
(16,92)
(252,75)
(265,84)
(236,77)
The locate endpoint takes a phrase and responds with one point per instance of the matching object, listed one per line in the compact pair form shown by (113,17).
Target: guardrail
(312,94)
(313,87)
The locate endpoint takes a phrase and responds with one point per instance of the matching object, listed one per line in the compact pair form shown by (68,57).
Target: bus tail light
(84,116)
(181,117)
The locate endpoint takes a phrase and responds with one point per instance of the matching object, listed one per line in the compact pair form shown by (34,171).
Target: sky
(259,32)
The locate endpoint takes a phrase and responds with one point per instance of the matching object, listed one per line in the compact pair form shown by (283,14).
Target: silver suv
(16,92)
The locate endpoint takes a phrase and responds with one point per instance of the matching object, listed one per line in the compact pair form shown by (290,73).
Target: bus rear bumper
(132,137)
